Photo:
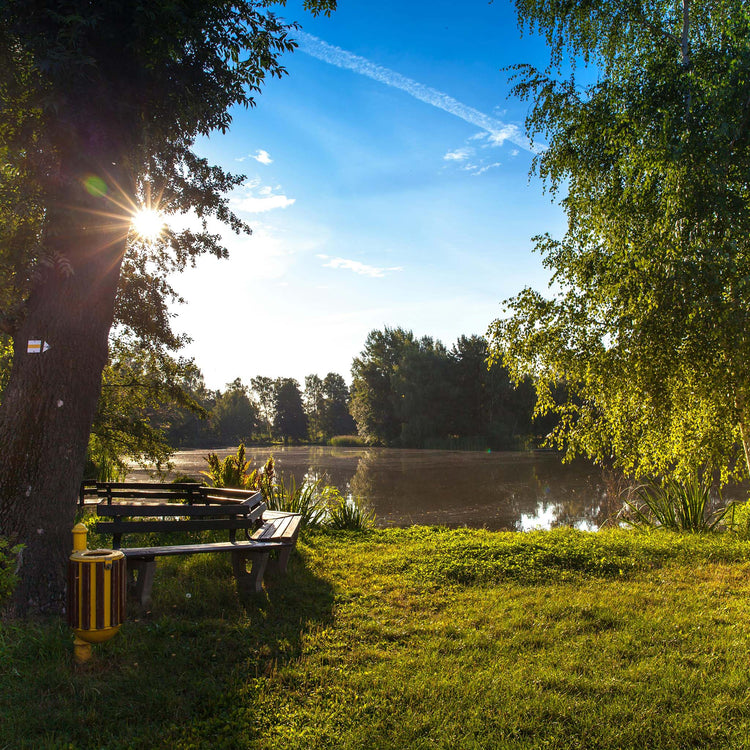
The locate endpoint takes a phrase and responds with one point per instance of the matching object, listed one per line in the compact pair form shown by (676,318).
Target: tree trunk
(49,403)
(745,438)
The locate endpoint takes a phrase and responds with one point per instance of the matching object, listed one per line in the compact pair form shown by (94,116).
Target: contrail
(499,131)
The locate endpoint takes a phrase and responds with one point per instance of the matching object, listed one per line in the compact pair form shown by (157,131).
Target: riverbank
(412,638)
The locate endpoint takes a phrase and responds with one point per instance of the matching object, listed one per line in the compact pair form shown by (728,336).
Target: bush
(741,520)
(234,471)
(348,441)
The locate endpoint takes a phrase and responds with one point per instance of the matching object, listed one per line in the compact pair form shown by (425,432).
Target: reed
(305,498)
(348,513)
(675,505)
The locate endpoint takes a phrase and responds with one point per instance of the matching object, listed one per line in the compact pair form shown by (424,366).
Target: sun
(147,224)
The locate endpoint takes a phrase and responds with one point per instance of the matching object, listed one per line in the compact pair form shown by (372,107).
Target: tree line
(415,393)
(152,404)
(406,392)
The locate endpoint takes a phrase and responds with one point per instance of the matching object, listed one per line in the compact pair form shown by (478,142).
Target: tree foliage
(337,419)
(263,388)
(326,403)
(290,421)
(416,393)
(647,322)
(141,389)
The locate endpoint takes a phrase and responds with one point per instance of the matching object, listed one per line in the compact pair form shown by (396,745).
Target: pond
(516,491)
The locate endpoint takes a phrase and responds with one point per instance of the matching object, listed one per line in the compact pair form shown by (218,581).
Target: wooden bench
(92,492)
(131,508)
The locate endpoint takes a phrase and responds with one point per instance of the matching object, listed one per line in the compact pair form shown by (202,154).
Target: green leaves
(675,506)
(646,324)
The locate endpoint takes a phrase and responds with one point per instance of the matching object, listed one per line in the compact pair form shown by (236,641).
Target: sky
(387,185)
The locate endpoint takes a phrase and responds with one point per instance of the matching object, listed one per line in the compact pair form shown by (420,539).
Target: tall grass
(675,505)
(348,513)
(305,498)
(348,441)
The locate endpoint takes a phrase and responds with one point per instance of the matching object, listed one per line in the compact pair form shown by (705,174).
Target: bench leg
(249,582)
(140,587)
(279,565)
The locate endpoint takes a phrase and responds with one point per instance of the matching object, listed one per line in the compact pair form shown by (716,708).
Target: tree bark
(49,403)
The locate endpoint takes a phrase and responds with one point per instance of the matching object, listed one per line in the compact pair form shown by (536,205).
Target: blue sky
(387,184)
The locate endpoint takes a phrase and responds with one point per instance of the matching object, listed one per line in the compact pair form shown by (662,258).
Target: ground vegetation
(418,638)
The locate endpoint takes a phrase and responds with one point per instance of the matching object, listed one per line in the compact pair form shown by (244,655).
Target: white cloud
(510,133)
(254,198)
(255,205)
(359,268)
(460,154)
(261,155)
(497,130)
(481,170)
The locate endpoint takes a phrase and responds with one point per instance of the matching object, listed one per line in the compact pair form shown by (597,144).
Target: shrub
(348,441)
(741,520)
(234,471)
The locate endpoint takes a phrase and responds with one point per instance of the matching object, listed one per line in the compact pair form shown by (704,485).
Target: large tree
(290,421)
(265,394)
(337,419)
(648,323)
(375,405)
(101,103)
(234,417)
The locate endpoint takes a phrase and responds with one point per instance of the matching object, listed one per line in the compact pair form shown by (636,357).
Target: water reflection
(506,490)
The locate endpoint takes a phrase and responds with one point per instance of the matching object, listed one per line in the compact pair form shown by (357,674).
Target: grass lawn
(418,638)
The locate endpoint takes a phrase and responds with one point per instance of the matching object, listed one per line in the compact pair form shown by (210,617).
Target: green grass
(418,638)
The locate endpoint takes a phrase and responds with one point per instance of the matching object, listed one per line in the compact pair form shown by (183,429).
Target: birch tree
(647,321)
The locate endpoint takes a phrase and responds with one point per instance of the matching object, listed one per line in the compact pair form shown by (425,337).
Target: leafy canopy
(115,92)
(647,322)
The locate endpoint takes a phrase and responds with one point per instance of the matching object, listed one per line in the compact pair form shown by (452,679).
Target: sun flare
(148,224)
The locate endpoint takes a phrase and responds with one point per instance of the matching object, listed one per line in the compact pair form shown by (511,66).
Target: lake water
(504,490)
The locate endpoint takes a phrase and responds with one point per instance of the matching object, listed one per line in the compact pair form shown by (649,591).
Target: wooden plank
(145,509)
(176,492)
(148,495)
(229,494)
(195,549)
(271,529)
(183,524)
(283,526)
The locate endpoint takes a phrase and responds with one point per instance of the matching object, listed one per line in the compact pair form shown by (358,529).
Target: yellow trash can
(97,584)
